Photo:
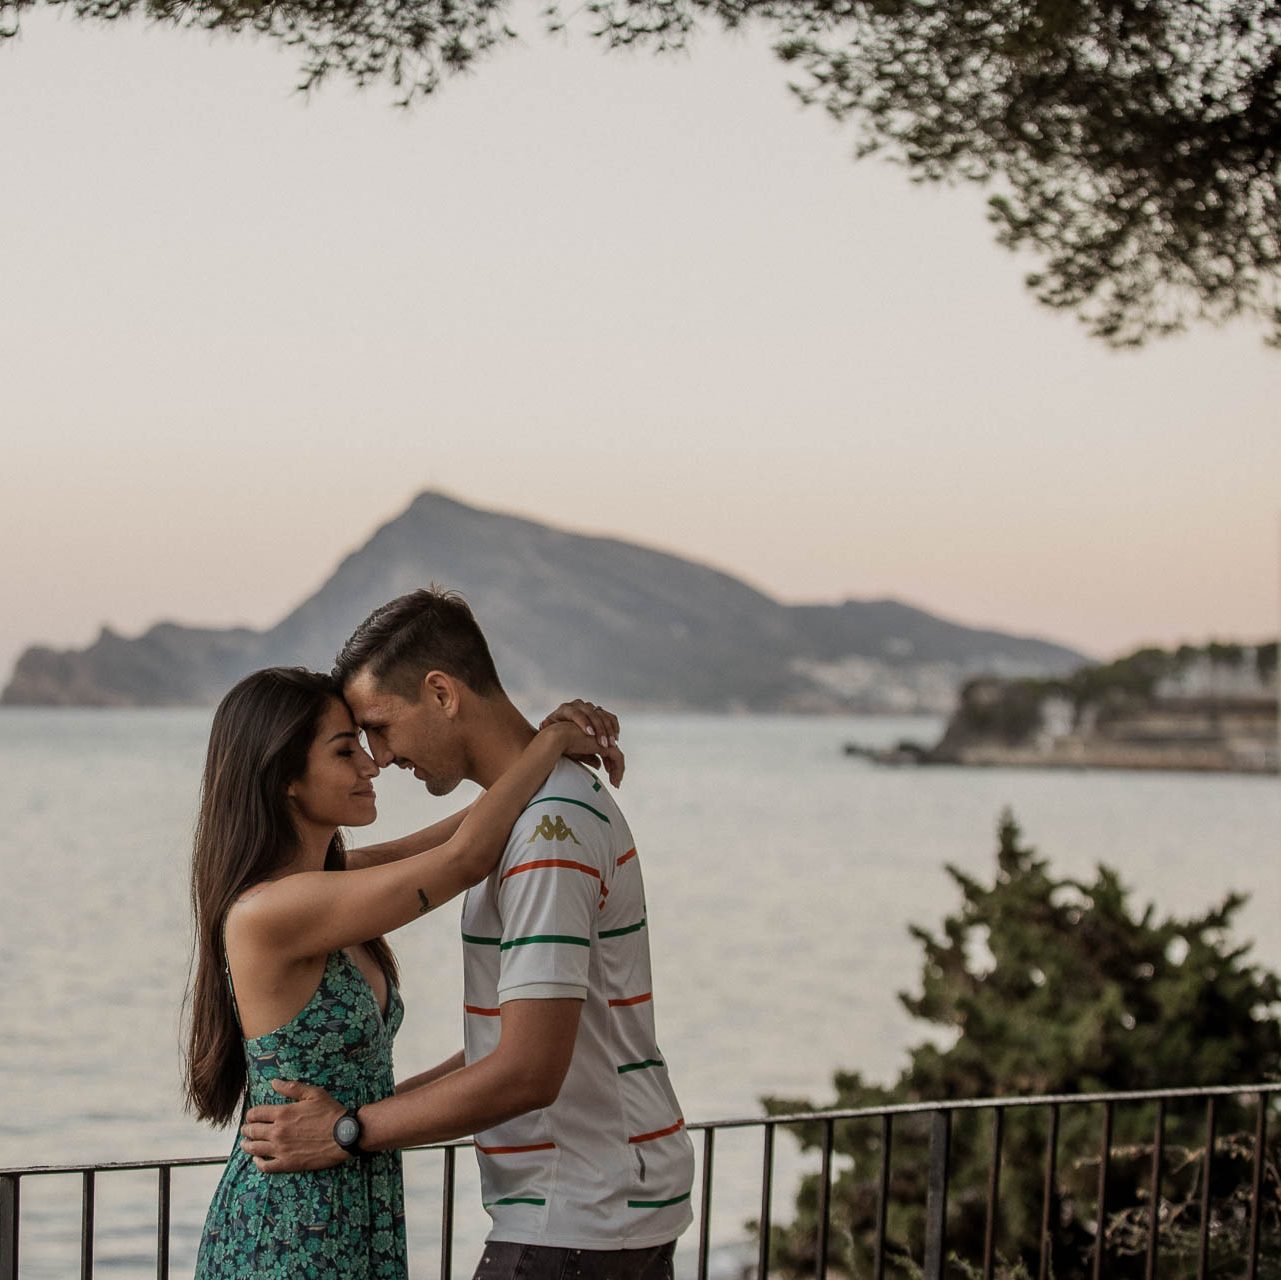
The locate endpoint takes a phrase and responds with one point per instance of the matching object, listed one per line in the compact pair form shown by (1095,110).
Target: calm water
(781,878)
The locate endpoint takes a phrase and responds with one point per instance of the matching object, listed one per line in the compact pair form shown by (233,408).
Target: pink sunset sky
(649,297)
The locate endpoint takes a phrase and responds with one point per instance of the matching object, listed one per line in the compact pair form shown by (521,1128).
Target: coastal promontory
(1207,708)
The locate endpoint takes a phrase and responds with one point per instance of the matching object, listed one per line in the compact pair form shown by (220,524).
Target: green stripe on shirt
(618,933)
(515,1200)
(658,1204)
(568,938)
(481,942)
(639,1066)
(566,800)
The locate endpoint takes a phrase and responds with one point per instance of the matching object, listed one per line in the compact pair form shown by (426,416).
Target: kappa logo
(557,830)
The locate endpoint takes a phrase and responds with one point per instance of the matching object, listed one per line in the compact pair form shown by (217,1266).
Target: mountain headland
(567,614)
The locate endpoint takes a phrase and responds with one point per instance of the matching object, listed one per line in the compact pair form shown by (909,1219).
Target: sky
(653,297)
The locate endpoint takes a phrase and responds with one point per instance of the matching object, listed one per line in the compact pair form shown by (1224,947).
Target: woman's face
(336,788)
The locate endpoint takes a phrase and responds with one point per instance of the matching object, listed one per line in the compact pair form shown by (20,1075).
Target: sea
(781,876)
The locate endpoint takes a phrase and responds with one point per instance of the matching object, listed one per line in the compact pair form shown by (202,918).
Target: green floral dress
(344,1223)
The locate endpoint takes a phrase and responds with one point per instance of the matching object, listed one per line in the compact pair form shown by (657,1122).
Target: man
(584,1160)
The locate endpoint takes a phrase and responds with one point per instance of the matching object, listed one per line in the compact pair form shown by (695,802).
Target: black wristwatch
(347,1132)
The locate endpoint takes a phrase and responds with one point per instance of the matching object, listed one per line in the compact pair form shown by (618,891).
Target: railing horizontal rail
(742,1122)
(934,1243)
(985,1104)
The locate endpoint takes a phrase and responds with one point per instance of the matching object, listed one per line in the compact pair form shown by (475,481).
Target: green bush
(1045,984)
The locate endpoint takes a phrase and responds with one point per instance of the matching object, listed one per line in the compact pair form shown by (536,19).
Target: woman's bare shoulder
(267,905)
(266,921)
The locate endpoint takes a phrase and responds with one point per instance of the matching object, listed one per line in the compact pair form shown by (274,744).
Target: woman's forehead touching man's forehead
(366,699)
(373,705)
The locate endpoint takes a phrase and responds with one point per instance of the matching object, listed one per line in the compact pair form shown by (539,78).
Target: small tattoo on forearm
(426,907)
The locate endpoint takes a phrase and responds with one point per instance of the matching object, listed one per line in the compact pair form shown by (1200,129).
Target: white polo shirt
(608,1165)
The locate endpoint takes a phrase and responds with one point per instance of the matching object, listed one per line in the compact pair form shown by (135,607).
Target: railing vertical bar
(936,1196)
(993,1192)
(447,1214)
(163,1201)
(705,1202)
(767,1195)
(9,1213)
(1154,1192)
(1256,1185)
(1047,1193)
(1207,1169)
(883,1196)
(825,1200)
(86,1224)
(1105,1159)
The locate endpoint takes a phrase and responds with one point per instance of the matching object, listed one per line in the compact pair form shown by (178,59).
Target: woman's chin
(366,817)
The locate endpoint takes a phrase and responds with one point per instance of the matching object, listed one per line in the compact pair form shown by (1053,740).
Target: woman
(293,978)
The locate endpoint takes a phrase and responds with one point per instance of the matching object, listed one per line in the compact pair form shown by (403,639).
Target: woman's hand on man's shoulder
(601,727)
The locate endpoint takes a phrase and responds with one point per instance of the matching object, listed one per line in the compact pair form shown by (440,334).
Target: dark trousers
(503,1260)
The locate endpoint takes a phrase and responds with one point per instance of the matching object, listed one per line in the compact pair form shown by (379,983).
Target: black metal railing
(933,1244)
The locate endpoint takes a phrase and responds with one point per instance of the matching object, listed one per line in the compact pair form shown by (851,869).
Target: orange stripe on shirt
(551,862)
(618,1004)
(627,857)
(659,1133)
(484,1013)
(512,1151)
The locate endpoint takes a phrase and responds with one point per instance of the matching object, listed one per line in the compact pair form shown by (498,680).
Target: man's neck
(500,734)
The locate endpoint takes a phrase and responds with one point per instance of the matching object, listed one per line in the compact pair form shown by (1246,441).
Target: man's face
(419,736)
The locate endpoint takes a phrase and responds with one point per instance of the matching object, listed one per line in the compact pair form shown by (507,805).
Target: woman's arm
(376,855)
(315,912)
(594,721)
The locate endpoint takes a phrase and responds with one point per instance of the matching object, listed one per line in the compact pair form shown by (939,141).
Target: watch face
(346,1130)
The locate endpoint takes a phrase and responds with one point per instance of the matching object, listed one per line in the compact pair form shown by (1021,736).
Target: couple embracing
(586,1169)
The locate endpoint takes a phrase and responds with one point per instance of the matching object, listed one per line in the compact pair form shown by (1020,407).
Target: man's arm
(445,1068)
(525,1072)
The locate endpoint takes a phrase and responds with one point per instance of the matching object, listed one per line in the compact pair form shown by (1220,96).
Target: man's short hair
(426,630)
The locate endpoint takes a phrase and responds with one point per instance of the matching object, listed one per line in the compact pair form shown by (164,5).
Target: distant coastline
(1207,710)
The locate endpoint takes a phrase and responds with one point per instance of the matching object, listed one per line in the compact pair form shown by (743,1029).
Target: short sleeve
(550,887)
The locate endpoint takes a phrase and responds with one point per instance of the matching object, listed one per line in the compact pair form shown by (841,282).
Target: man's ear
(443,692)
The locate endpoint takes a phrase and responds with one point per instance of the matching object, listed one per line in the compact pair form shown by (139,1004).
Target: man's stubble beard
(440,786)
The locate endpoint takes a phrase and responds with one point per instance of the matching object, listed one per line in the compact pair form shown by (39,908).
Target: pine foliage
(1134,146)
(1046,984)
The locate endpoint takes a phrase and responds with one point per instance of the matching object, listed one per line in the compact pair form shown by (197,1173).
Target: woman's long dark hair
(258,745)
